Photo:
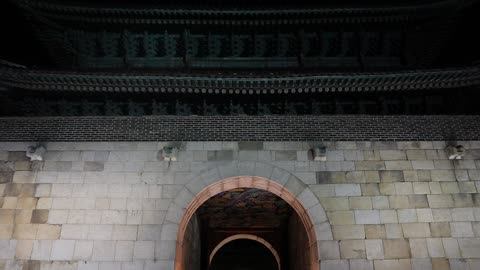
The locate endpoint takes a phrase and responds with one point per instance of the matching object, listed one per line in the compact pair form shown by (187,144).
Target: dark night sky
(18,42)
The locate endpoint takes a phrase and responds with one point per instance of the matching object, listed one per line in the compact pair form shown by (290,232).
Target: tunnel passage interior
(243,254)
(256,213)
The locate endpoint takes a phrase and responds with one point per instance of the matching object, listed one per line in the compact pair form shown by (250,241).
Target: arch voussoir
(307,198)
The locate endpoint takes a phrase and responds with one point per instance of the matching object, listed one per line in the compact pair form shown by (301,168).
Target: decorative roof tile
(144,15)
(203,81)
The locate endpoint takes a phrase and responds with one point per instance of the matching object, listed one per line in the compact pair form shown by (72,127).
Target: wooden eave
(193,82)
(183,16)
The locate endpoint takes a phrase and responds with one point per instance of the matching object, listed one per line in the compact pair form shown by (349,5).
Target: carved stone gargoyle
(455,151)
(36,152)
(318,153)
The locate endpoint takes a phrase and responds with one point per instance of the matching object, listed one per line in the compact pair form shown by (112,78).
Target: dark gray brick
(382,130)
(93,166)
(285,155)
(250,145)
(330,177)
(18,155)
(221,155)
(391,176)
(6,177)
(7,166)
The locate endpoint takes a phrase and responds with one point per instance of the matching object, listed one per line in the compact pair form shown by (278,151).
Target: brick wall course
(245,128)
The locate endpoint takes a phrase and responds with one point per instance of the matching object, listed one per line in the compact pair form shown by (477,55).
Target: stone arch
(239,174)
(290,182)
(248,237)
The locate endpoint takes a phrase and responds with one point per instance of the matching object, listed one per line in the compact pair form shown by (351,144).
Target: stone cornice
(279,82)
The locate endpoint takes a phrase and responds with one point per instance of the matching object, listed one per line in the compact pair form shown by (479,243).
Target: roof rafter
(237,82)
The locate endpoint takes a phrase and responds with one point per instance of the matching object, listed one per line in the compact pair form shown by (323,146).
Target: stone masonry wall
(115,205)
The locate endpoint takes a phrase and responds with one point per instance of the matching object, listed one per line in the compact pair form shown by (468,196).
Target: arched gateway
(305,205)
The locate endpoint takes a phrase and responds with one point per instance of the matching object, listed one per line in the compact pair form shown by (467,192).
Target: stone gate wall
(116,205)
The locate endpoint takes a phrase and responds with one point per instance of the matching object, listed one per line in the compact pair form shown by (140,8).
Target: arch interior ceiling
(245,207)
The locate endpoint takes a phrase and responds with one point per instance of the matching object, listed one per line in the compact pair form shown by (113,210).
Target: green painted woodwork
(353,37)
(187,48)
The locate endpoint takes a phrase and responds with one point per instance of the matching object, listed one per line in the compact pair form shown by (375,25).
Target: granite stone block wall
(117,205)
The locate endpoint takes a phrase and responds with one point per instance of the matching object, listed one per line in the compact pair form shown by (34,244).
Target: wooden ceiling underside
(245,208)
